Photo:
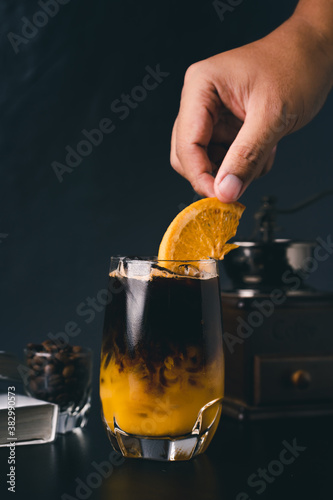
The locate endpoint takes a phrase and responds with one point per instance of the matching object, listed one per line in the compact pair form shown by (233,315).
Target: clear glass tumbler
(162,366)
(61,374)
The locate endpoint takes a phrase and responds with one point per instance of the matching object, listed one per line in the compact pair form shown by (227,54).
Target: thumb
(246,157)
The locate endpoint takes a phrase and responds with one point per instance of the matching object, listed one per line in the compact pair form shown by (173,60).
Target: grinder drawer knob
(301,379)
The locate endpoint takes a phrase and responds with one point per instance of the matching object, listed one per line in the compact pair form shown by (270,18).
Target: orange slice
(201,231)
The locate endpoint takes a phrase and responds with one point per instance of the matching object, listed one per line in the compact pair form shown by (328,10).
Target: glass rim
(156,259)
(84,352)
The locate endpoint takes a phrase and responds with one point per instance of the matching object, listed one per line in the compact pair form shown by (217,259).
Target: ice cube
(189,270)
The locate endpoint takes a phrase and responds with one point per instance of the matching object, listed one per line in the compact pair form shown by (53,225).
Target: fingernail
(230,187)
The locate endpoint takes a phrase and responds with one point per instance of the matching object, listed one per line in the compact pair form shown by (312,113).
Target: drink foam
(147,271)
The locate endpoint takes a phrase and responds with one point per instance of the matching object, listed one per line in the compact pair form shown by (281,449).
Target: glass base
(67,422)
(167,448)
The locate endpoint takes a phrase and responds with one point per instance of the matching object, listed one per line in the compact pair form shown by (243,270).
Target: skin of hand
(237,105)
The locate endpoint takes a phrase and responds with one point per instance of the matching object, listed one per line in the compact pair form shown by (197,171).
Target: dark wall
(123,195)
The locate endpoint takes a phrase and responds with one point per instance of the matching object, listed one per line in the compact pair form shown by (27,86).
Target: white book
(35,420)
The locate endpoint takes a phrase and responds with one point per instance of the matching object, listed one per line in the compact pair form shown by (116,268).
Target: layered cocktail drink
(162,369)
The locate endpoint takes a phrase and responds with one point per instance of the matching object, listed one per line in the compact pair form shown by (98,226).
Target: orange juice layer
(165,403)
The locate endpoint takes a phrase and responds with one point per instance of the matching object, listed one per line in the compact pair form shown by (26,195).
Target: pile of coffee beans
(59,374)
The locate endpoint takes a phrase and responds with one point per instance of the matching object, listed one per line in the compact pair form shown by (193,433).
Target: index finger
(198,113)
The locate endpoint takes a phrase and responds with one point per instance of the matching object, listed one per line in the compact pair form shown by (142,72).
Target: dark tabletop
(74,465)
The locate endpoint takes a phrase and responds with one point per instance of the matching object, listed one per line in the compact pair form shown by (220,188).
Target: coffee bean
(40,381)
(33,386)
(52,348)
(47,343)
(62,357)
(68,371)
(61,375)
(38,360)
(56,389)
(41,394)
(49,369)
(73,381)
(55,379)
(37,368)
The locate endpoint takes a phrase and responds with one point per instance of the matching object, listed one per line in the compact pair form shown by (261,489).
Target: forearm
(306,44)
(319,15)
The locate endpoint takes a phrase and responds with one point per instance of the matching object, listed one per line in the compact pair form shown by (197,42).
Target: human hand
(237,105)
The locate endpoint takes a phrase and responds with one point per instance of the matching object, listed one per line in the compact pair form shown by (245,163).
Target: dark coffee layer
(149,320)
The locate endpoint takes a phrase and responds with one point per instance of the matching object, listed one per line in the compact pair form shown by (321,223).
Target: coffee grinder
(278,332)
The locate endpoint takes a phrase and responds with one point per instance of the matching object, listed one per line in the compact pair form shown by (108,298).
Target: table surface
(68,468)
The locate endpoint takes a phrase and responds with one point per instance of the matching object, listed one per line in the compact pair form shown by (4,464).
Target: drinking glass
(162,366)
(61,374)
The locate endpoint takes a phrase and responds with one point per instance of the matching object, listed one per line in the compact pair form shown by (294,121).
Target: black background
(122,197)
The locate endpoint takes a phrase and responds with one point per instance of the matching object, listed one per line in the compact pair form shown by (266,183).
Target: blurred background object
(277,328)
